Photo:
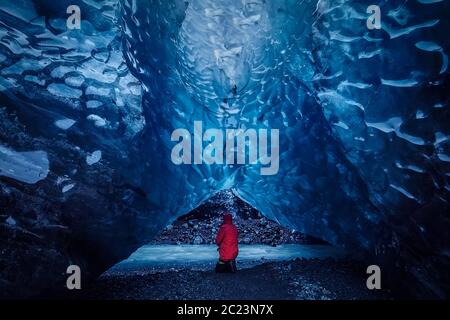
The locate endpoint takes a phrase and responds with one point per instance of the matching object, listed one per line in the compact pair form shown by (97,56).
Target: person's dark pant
(226,266)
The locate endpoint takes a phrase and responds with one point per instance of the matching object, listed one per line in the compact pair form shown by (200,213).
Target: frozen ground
(176,256)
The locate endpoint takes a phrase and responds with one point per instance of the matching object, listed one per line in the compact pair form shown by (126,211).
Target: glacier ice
(64,124)
(94,157)
(92,104)
(64,91)
(28,166)
(74,81)
(362,114)
(67,188)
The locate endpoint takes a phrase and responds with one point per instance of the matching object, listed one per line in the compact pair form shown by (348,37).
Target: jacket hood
(227,218)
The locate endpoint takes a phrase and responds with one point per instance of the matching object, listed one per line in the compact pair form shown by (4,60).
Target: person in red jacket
(227,241)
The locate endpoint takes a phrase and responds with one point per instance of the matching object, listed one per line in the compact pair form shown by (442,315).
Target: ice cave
(87,116)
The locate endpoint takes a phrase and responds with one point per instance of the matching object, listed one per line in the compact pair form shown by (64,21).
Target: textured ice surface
(363,114)
(64,91)
(254,69)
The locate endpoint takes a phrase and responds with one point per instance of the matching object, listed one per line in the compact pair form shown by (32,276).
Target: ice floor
(174,256)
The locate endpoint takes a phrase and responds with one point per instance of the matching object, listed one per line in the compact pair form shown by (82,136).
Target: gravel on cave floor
(311,279)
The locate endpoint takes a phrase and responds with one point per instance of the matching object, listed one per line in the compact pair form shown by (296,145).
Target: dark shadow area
(300,279)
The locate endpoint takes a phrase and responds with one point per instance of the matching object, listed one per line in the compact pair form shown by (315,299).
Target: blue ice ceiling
(363,114)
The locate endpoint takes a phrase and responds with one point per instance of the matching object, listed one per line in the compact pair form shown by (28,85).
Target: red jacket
(227,239)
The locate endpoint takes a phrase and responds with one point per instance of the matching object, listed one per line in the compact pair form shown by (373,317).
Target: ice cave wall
(364,146)
(388,108)
(70,112)
(363,119)
(189,65)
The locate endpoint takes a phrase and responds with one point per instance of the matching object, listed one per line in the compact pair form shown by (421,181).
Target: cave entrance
(200,225)
(189,241)
(274,262)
